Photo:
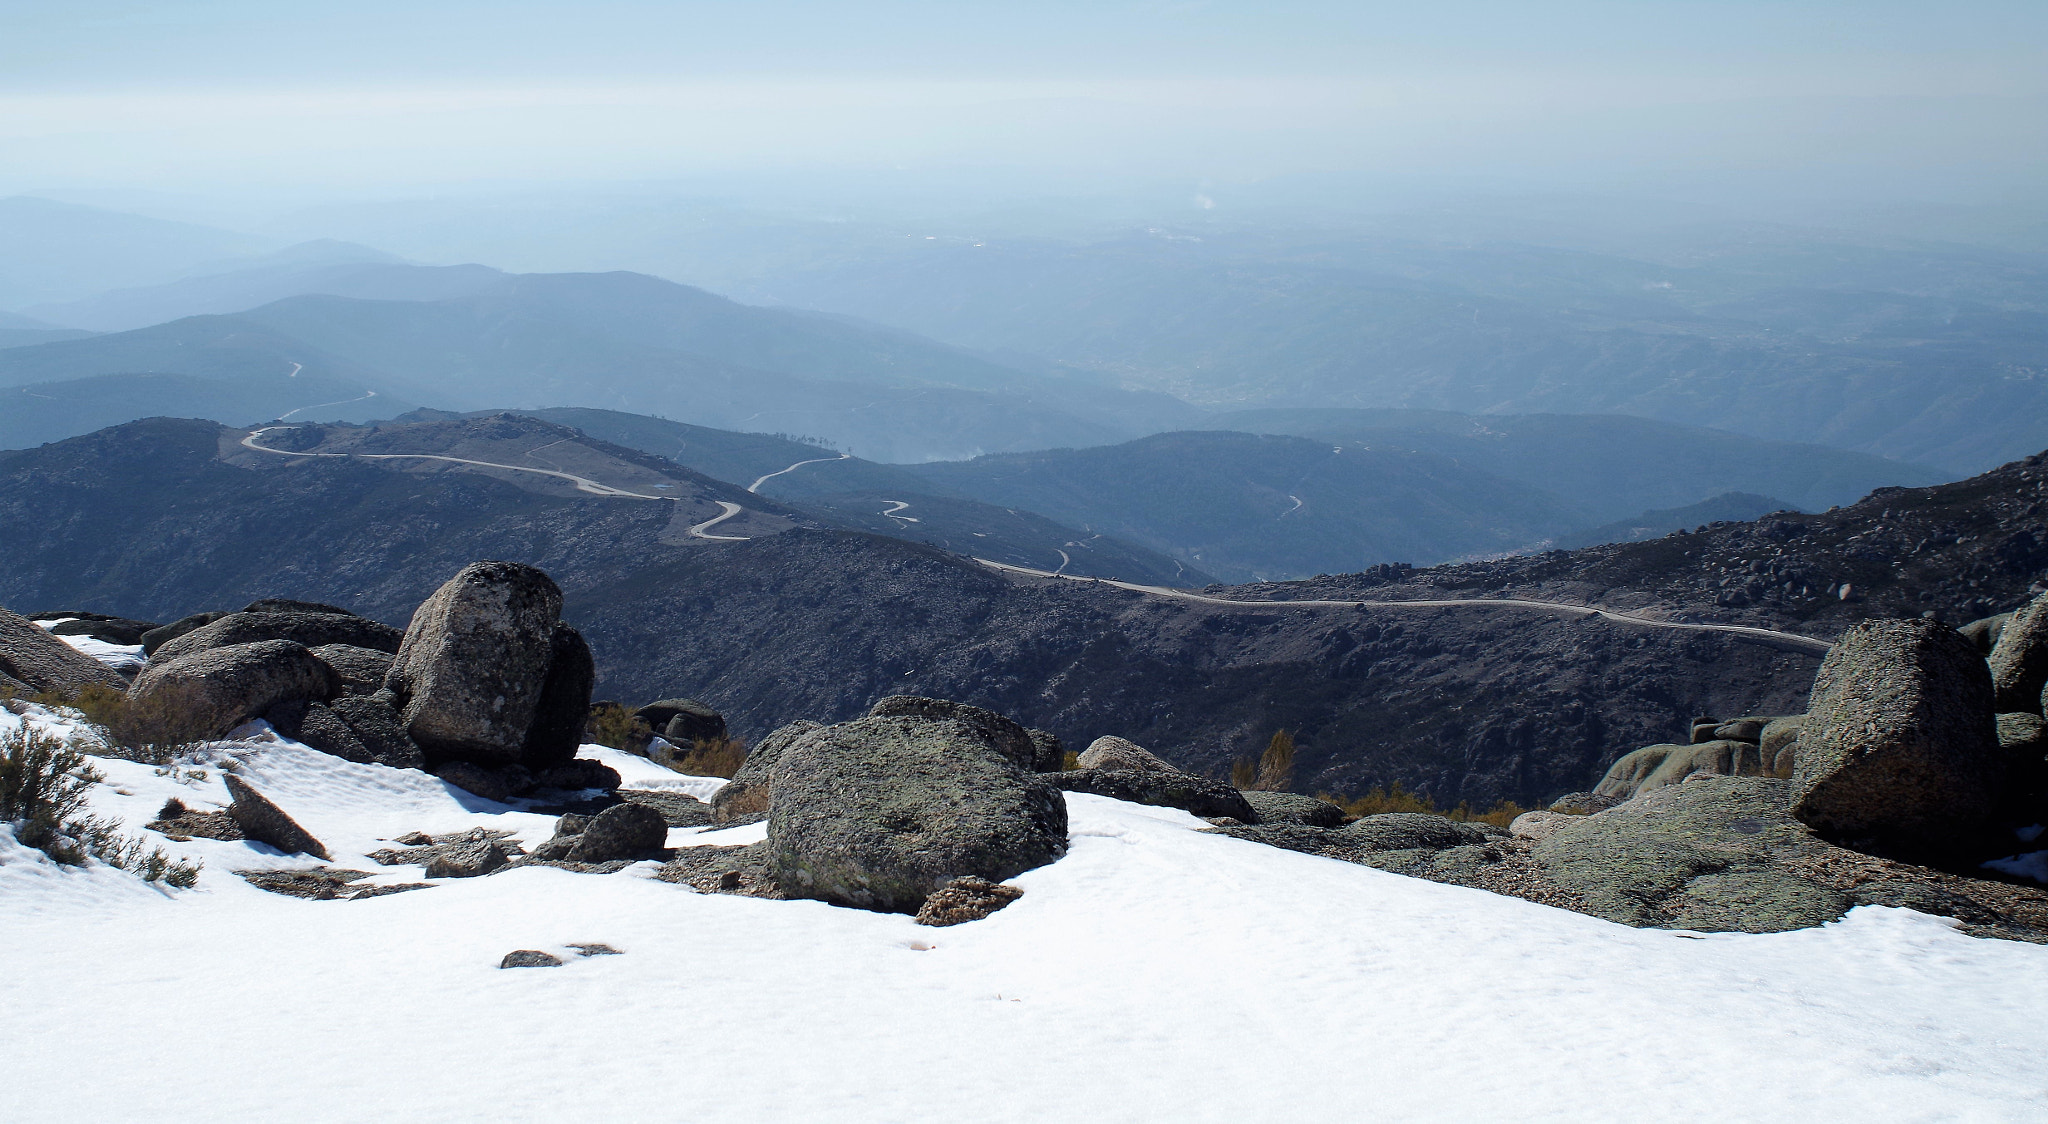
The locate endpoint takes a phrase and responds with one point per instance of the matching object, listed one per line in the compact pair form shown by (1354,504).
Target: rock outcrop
(29,655)
(1011,740)
(310,629)
(1199,795)
(216,689)
(1112,752)
(361,671)
(1290,807)
(1654,766)
(744,798)
(2019,660)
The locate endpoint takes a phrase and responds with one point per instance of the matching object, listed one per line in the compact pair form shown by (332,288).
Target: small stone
(265,822)
(530,958)
(467,860)
(965,899)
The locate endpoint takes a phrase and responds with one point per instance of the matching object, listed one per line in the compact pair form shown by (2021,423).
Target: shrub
(1394,798)
(43,786)
(709,757)
(613,725)
(1272,772)
(1070,762)
(157,730)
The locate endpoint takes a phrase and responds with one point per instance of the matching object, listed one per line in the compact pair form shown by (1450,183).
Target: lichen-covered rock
(471,671)
(310,629)
(1654,766)
(677,809)
(579,773)
(325,731)
(1900,746)
(1049,754)
(1404,831)
(1200,795)
(1984,633)
(965,899)
(621,832)
(530,958)
(1779,744)
(1010,739)
(469,859)
(881,811)
(1537,824)
(216,689)
(376,725)
(1112,752)
(361,671)
(265,822)
(31,656)
(2019,661)
(564,705)
(1290,807)
(745,798)
(724,870)
(1741,729)
(163,634)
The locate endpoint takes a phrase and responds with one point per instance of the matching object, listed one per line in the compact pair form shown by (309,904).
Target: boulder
(1200,795)
(677,809)
(1900,746)
(217,689)
(325,731)
(1408,831)
(724,870)
(1112,752)
(1289,807)
(376,725)
(2023,736)
(621,832)
(112,630)
(564,705)
(1584,803)
(683,721)
(287,605)
(500,784)
(2019,661)
(580,773)
(1538,824)
(1984,633)
(361,671)
(1741,729)
(309,629)
(880,812)
(744,798)
(1779,744)
(1654,766)
(265,822)
(472,669)
(469,859)
(1049,754)
(1322,841)
(31,656)
(530,958)
(163,634)
(1010,739)
(965,899)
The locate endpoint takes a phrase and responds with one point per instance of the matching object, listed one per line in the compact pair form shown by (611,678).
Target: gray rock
(965,899)
(1049,754)
(470,673)
(622,831)
(287,605)
(310,629)
(2023,736)
(360,670)
(1406,831)
(470,859)
(530,958)
(1700,856)
(2019,660)
(1900,745)
(1538,824)
(724,870)
(1321,841)
(879,812)
(325,731)
(1584,803)
(1779,745)
(683,721)
(745,798)
(1741,729)
(677,809)
(265,822)
(1200,795)
(1111,752)
(163,634)
(1010,739)
(376,725)
(1984,633)
(501,784)
(36,659)
(216,689)
(579,773)
(564,706)
(1289,807)
(1654,766)
(113,630)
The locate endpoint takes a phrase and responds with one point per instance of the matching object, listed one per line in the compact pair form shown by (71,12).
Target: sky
(375,96)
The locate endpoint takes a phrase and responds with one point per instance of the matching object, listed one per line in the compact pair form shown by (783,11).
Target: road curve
(756,485)
(1789,641)
(731,509)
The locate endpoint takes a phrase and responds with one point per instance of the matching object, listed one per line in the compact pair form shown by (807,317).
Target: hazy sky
(373,96)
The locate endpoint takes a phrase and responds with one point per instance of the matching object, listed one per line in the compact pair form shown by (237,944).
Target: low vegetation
(43,786)
(158,730)
(707,757)
(613,725)
(1272,772)
(1398,799)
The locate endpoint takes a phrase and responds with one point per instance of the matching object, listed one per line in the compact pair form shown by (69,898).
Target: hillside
(62,251)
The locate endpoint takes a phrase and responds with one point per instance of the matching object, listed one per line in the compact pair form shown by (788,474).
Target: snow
(120,657)
(1154,973)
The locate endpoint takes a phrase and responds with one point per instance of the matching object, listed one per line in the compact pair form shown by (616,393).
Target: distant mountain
(624,341)
(53,251)
(44,412)
(20,331)
(237,290)
(1609,465)
(1738,507)
(1246,506)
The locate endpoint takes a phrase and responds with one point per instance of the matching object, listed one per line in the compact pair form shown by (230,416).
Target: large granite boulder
(1011,740)
(1984,633)
(377,726)
(361,670)
(473,668)
(163,634)
(31,656)
(1199,795)
(560,714)
(1900,747)
(1049,754)
(1112,752)
(2019,660)
(1294,808)
(621,832)
(1410,831)
(744,798)
(882,811)
(1654,766)
(216,689)
(683,721)
(310,629)
(1779,744)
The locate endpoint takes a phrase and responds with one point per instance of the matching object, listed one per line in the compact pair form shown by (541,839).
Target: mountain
(52,411)
(1726,507)
(372,278)
(61,251)
(1246,506)
(626,341)
(1923,352)
(1609,465)
(17,330)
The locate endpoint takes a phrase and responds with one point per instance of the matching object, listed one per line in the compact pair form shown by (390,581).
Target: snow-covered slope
(1155,973)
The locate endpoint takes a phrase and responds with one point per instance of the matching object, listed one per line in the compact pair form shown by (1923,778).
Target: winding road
(756,485)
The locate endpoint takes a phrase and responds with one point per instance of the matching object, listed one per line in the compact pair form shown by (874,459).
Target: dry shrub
(1395,798)
(1272,772)
(1070,762)
(708,757)
(166,725)
(43,786)
(613,725)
